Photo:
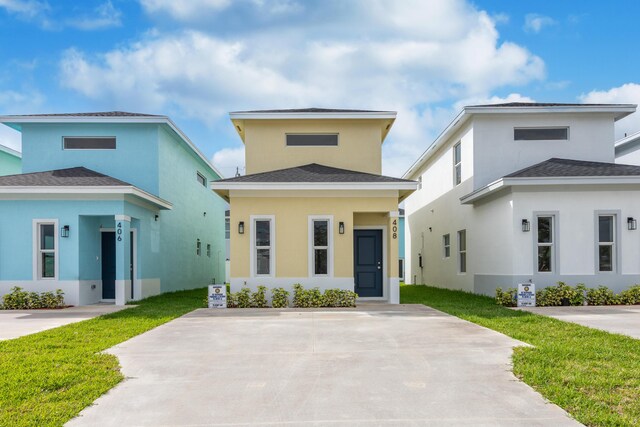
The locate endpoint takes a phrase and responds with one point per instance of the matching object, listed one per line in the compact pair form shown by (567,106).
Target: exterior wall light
(526,225)
(341,227)
(241,227)
(632,224)
(64,231)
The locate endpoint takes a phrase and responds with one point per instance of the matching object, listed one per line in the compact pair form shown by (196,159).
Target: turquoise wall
(135,159)
(9,164)
(78,254)
(186,222)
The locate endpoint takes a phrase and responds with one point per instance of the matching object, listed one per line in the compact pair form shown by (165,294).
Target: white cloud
(375,54)
(103,16)
(534,22)
(626,94)
(230,160)
(28,10)
(184,10)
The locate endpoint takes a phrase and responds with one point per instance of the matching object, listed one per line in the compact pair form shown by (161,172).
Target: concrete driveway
(16,323)
(619,319)
(371,366)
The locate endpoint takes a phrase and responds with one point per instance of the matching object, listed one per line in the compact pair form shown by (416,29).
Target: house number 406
(119,232)
(395,229)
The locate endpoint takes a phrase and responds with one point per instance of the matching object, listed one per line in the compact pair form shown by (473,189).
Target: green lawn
(593,375)
(49,377)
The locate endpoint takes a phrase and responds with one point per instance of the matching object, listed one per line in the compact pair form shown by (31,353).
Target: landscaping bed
(592,374)
(49,377)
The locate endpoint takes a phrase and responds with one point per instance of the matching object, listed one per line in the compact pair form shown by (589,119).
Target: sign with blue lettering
(217,296)
(526,295)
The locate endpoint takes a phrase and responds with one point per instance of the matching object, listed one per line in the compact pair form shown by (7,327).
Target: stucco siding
(9,164)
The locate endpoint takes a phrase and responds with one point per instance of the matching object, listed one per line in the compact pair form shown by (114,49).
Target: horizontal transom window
(312,140)
(89,143)
(541,134)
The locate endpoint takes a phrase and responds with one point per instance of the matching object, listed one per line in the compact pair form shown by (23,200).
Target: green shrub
(232,299)
(243,298)
(555,295)
(347,298)
(630,296)
(331,298)
(506,298)
(259,297)
(279,298)
(601,296)
(299,295)
(18,299)
(306,298)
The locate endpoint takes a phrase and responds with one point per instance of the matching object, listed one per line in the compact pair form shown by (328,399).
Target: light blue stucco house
(109,207)
(10,161)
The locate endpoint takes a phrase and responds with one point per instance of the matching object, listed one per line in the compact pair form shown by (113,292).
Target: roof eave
(379,115)
(83,189)
(620,110)
(226,186)
(506,182)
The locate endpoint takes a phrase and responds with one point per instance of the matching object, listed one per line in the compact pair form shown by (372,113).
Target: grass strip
(592,374)
(49,377)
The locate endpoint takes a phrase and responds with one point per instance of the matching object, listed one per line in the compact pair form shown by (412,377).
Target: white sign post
(526,295)
(217,296)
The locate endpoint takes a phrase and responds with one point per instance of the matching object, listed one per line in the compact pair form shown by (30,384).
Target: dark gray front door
(109,265)
(367,259)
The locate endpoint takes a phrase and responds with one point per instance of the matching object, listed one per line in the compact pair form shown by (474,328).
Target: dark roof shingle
(94,114)
(79,176)
(545,104)
(313,173)
(312,110)
(565,168)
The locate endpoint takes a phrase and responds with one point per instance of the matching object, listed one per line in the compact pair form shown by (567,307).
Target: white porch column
(394,274)
(123,258)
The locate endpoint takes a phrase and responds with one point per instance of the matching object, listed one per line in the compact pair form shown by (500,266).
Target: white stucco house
(520,192)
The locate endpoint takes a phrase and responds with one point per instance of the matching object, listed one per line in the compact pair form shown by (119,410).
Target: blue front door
(108,265)
(367,259)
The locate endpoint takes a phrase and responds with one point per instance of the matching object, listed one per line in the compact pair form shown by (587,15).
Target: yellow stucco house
(313,207)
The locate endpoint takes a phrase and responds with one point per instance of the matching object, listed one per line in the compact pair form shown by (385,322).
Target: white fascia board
(620,110)
(453,126)
(215,185)
(123,119)
(628,143)
(76,190)
(10,151)
(335,115)
(554,181)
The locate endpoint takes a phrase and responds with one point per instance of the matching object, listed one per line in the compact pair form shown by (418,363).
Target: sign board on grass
(526,295)
(217,296)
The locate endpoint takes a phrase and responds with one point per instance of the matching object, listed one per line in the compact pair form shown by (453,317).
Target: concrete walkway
(371,366)
(16,323)
(619,319)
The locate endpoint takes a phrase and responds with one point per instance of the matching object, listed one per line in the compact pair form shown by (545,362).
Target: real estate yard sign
(217,296)
(526,295)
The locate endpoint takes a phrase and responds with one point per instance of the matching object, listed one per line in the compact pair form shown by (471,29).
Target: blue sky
(197,60)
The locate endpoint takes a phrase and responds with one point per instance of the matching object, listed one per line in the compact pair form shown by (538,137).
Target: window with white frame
(227,228)
(462,251)
(198,247)
(47,250)
(263,244)
(446,246)
(606,242)
(545,243)
(321,246)
(457,163)
(201,179)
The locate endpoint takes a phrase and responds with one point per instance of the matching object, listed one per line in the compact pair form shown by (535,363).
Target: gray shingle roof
(565,167)
(61,178)
(94,114)
(544,104)
(312,110)
(313,173)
